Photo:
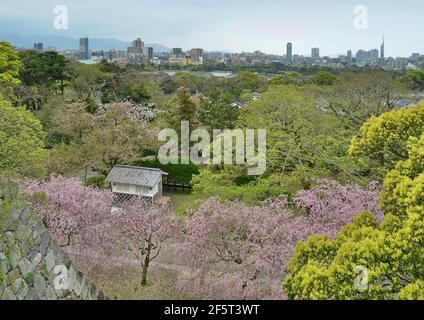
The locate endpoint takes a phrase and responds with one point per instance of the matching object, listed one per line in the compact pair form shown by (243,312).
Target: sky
(230,25)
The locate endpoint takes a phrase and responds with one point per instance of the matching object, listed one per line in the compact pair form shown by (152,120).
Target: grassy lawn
(119,284)
(182,200)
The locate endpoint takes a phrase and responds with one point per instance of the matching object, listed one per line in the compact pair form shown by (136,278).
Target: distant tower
(38,46)
(382,57)
(137,43)
(349,56)
(289,51)
(315,53)
(84,48)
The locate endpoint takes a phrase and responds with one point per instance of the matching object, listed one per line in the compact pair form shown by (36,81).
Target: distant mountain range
(62,43)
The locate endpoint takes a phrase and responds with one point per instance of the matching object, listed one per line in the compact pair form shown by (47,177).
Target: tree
(250,80)
(302,140)
(47,69)
(116,133)
(181,108)
(88,82)
(10,65)
(383,141)
(387,257)
(72,122)
(136,94)
(415,79)
(361,95)
(169,86)
(67,208)
(22,137)
(218,112)
(287,78)
(139,231)
(324,78)
(249,246)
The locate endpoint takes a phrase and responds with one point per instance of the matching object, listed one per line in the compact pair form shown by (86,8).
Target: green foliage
(97,182)
(361,95)
(288,78)
(22,150)
(87,81)
(391,254)
(243,180)
(181,108)
(46,69)
(10,65)
(414,291)
(415,79)
(169,86)
(250,80)
(301,140)
(217,111)
(324,78)
(29,278)
(181,173)
(383,141)
(98,141)
(225,185)
(137,94)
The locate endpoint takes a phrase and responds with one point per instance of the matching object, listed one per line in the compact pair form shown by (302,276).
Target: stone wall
(32,266)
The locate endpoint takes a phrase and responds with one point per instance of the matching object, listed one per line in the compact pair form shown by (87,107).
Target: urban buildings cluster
(372,57)
(139,54)
(136,54)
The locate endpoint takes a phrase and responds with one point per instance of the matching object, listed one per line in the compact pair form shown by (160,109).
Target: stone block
(17,284)
(23,291)
(25,266)
(8,295)
(36,260)
(4,266)
(40,285)
(72,278)
(50,260)
(44,243)
(50,293)
(14,256)
(13,275)
(31,295)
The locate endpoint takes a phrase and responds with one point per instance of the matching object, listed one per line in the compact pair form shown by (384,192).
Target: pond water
(217,73)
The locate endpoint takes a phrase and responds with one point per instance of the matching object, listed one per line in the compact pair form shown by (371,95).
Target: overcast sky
(232,25)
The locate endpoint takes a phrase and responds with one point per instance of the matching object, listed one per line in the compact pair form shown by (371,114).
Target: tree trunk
(61,87)
(146,263)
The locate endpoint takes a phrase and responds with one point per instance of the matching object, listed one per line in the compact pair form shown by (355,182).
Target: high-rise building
(148,53)
(289,52)
(382,57)
(136,48)
(196,55)
(371,56)
(38,46)
(137,43)
(177,53)
(84,51)
(374,55)
(315,53)
(415,56)
(349,56)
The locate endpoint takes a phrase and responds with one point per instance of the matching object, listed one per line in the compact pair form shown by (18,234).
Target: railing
(173,184)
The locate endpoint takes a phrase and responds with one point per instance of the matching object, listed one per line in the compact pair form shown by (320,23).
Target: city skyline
(233,28)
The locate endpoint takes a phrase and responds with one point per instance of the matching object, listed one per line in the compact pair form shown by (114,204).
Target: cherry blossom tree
(136,234)
(250,246)
(67,208)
